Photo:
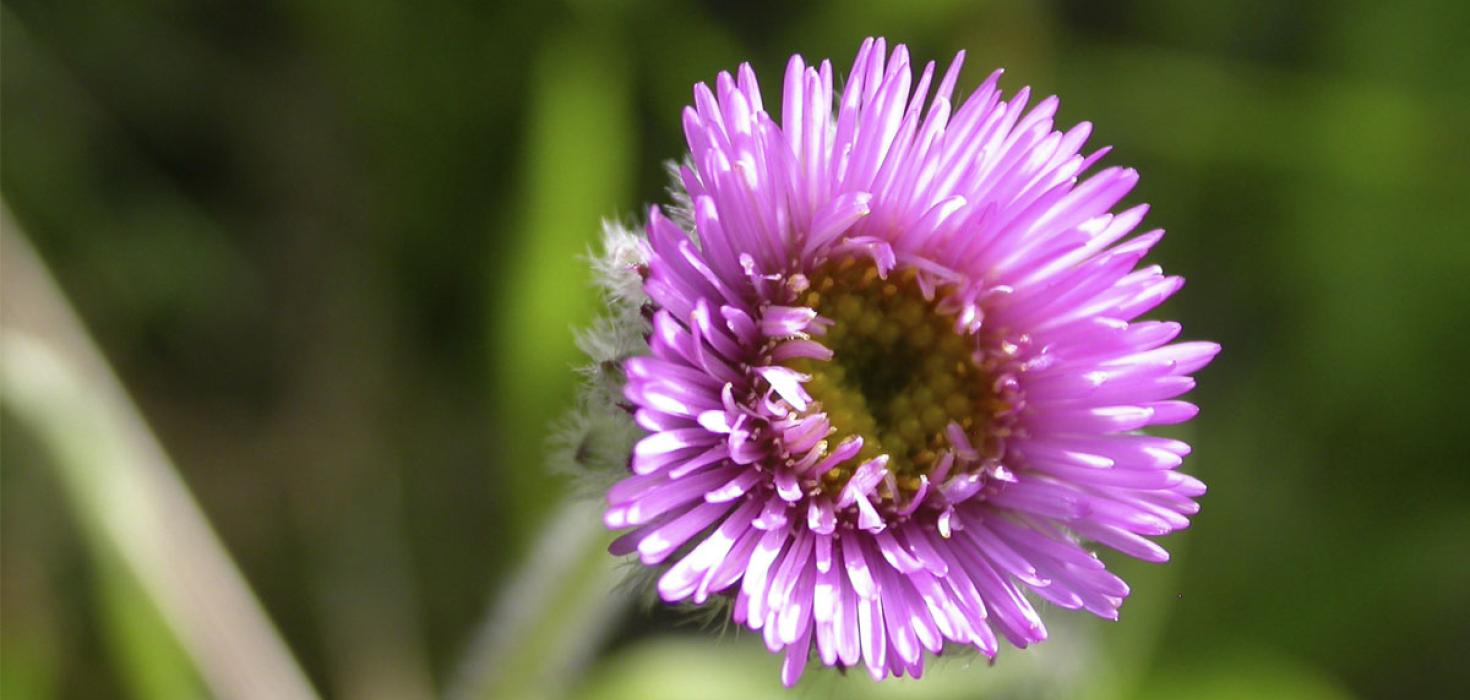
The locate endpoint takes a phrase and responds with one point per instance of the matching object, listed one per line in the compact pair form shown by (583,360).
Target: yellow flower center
(899,373)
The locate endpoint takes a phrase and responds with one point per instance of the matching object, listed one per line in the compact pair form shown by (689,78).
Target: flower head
(893,382)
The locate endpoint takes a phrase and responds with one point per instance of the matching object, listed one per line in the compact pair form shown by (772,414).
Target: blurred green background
(332,250)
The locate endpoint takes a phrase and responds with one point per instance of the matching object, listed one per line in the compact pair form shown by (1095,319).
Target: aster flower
(892,380)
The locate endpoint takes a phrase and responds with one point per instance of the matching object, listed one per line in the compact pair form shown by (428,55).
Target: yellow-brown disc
(899,373)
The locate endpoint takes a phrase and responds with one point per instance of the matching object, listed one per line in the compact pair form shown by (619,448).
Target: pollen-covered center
(899,374)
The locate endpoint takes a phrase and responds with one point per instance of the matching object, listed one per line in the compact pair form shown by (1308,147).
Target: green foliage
(578,156)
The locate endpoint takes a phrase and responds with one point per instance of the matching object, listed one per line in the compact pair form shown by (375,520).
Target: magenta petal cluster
(895,376)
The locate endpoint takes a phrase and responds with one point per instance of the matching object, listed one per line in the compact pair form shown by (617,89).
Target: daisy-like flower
(894,380)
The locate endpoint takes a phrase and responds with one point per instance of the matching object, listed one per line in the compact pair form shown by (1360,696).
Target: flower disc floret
(900,373)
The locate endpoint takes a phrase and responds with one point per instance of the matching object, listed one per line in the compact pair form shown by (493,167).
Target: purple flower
(894,379)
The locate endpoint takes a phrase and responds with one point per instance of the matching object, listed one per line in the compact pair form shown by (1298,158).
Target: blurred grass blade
(552,611)
(123,488)
(578,160)
(551,617)
(147,654)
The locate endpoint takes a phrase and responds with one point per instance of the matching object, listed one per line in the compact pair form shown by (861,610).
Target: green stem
(551,616)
